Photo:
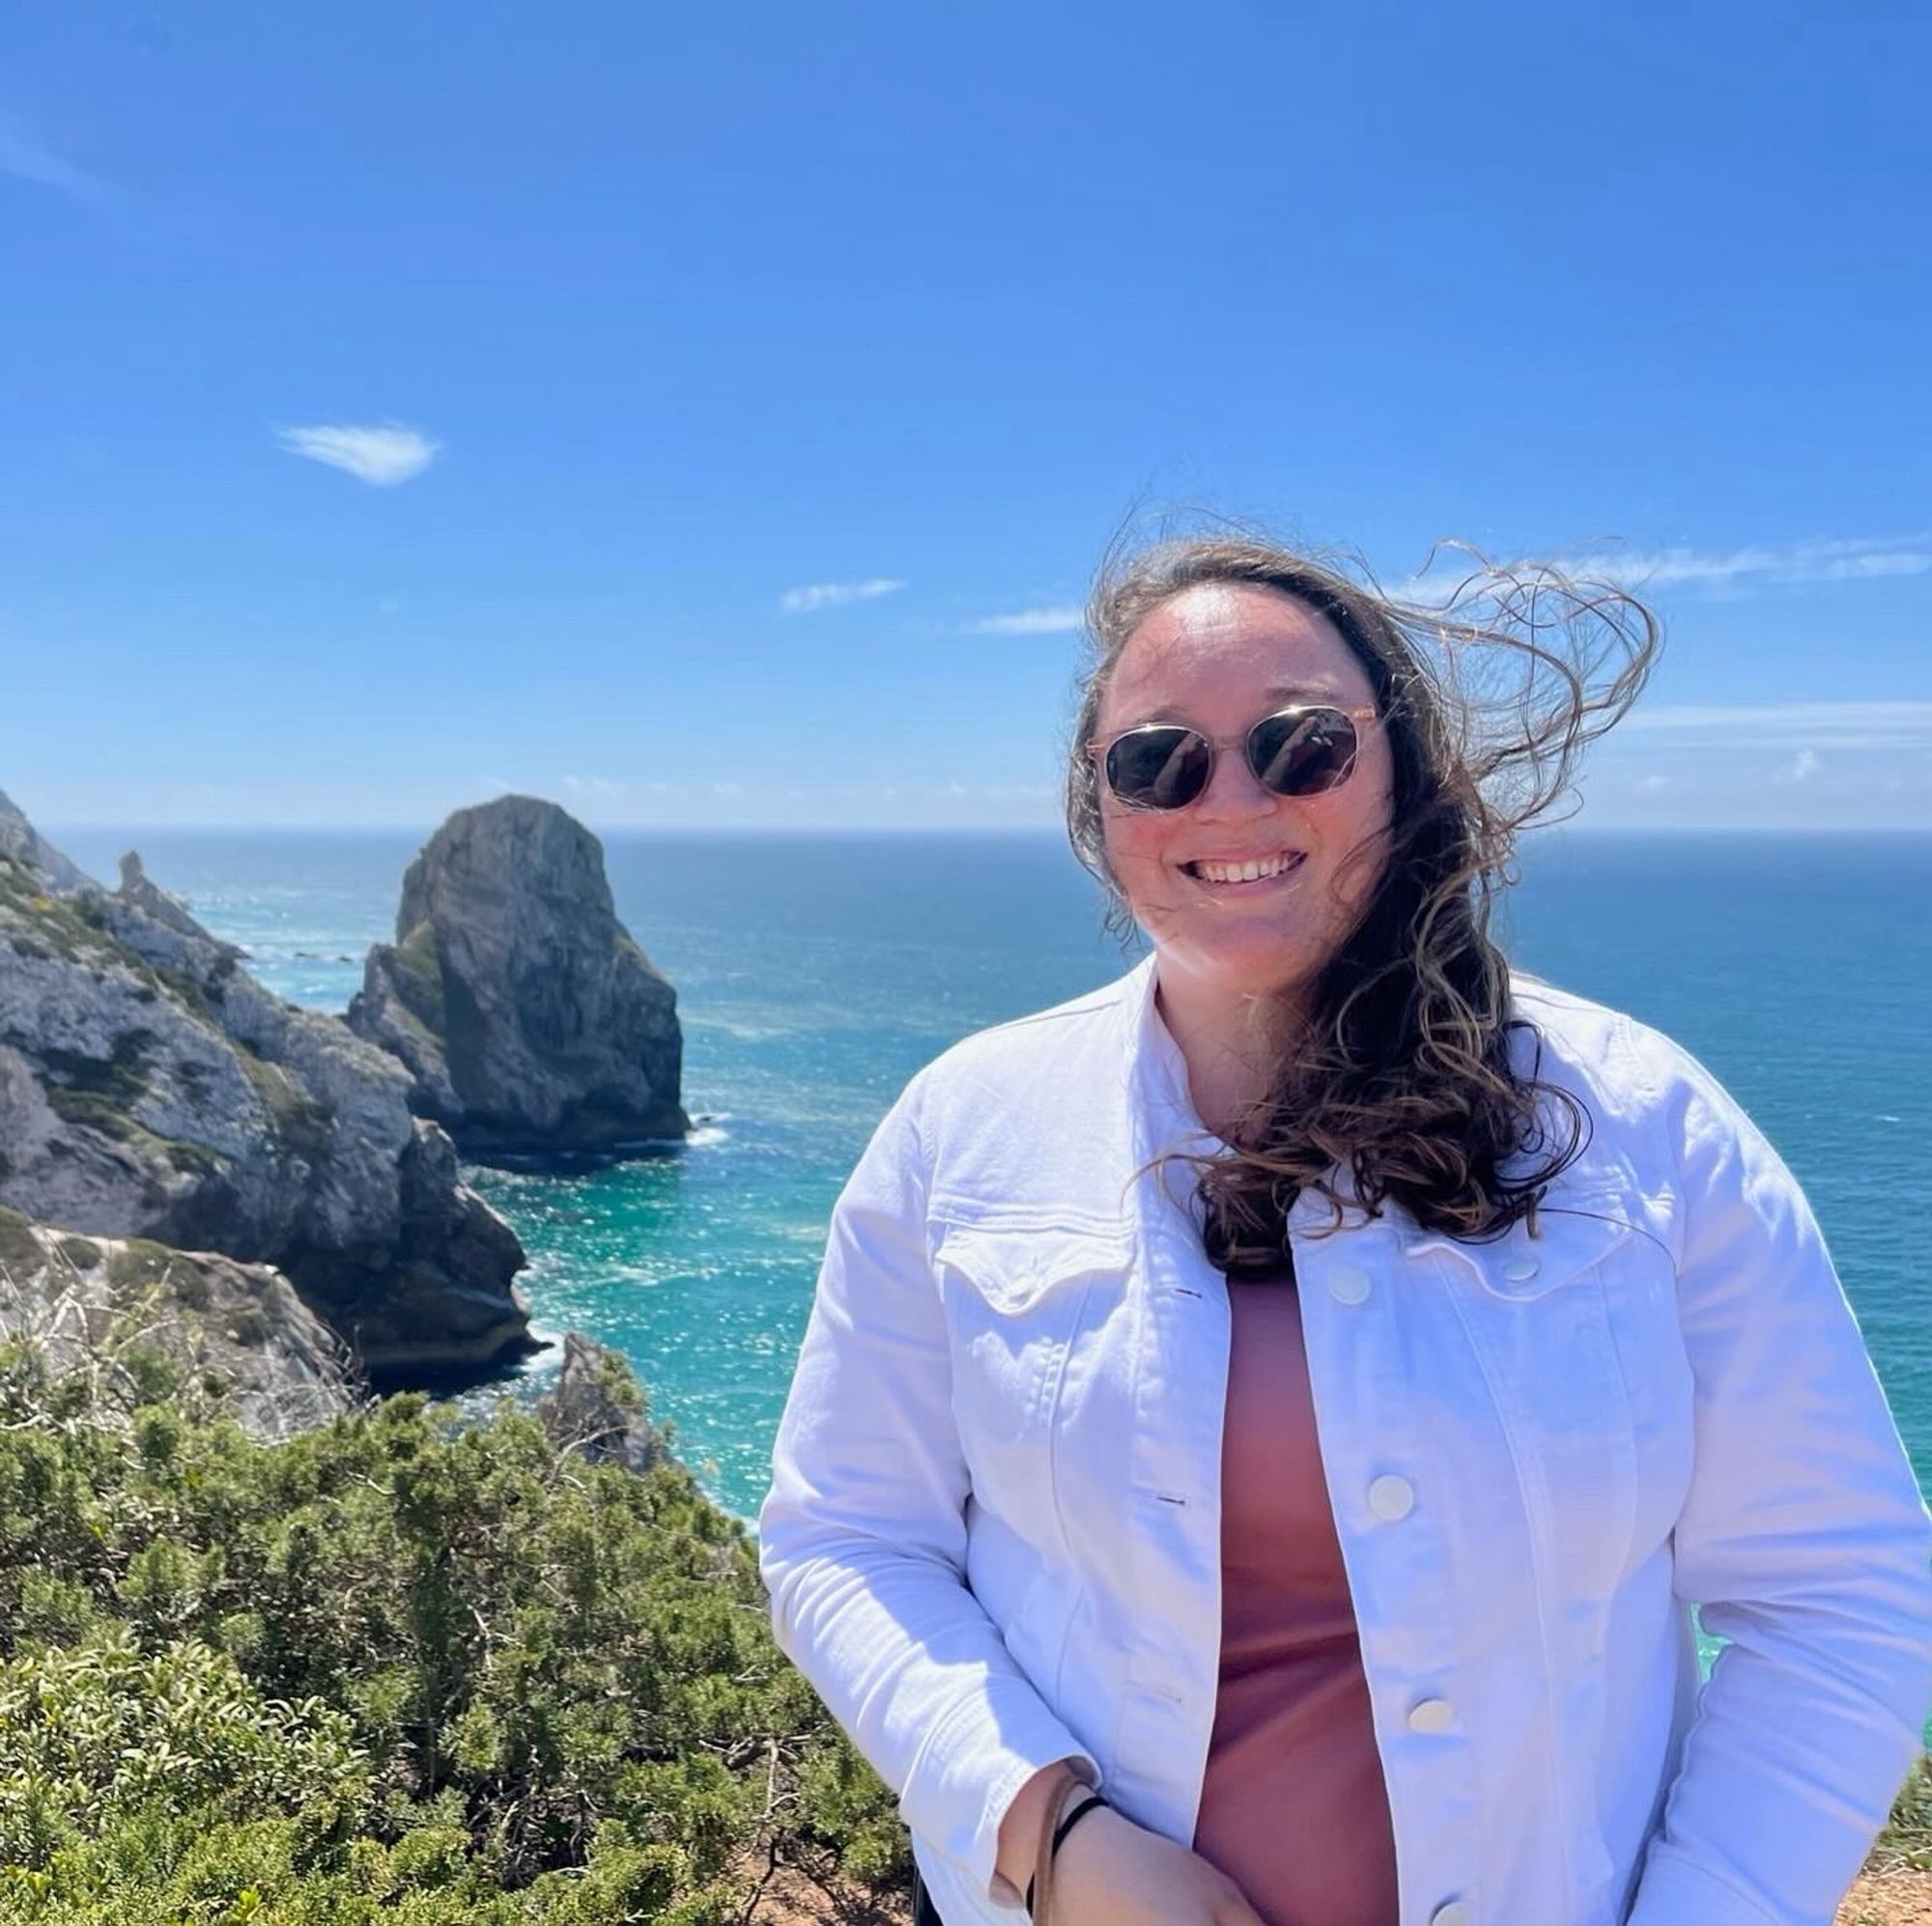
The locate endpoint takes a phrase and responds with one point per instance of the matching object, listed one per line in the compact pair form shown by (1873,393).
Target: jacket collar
(1160,1071)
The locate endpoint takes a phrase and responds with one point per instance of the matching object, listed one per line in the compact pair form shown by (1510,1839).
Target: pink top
(1294,1809)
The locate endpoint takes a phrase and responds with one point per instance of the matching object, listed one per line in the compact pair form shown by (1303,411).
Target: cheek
(1137,845)
(1375,808)
(1353,826)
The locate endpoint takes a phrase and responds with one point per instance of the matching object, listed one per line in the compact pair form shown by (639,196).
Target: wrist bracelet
(1061,1831)
(1066,1790)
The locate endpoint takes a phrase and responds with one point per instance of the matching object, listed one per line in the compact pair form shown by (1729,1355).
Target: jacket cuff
(970,1769)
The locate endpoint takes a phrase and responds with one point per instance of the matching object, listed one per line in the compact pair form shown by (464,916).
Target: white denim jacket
(992,1537)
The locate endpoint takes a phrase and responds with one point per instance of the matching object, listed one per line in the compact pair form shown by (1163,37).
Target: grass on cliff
(1906,1843)
(403,1668)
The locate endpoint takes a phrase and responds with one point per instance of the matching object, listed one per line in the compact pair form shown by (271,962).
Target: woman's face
(1218,657)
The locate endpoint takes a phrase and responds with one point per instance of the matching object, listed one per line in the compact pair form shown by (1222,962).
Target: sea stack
(530,1022)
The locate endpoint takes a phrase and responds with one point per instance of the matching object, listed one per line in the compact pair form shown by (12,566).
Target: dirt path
(1889,1899)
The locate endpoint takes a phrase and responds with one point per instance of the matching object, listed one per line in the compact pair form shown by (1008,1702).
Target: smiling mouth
(1236,878)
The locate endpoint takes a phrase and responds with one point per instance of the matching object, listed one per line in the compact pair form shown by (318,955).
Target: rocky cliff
(528,1018)
(83,1303)
(19,839)
(151,1087)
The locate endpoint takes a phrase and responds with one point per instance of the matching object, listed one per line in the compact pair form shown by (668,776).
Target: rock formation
(82,1300)
(591,1411)
(529,1020)
(150,1086)
(142,894)
(19,839)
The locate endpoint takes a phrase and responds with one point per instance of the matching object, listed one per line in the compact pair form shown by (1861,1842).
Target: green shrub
(94,1734)
(405,1668)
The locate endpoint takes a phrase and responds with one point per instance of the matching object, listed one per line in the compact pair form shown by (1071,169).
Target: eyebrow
(1276,693)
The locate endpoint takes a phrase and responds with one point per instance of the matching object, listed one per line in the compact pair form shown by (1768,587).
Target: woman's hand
(1110,1872)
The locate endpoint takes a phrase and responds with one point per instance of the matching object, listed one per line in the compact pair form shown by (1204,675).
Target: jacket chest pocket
(1573,1331)
(1016,1297)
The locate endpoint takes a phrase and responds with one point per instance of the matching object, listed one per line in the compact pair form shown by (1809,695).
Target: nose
(1233,789)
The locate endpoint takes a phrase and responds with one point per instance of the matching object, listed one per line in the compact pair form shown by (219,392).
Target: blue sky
(709,414)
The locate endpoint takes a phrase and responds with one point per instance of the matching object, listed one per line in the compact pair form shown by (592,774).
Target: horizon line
(52,828)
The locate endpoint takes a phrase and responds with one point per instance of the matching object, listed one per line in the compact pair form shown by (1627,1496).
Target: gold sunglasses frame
(1216,744)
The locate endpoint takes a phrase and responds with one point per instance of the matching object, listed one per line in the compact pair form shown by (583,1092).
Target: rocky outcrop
(19,839)
(529,1020)
(86,1301)
(139,891)
(151,1087)
(597,1411)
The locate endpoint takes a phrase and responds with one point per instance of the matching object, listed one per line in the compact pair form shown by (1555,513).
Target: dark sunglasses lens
(1303,752)
(1158,769)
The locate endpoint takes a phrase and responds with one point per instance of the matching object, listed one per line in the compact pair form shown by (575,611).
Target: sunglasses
(1303,751)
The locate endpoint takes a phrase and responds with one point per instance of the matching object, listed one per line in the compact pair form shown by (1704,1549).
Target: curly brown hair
(1402,1073)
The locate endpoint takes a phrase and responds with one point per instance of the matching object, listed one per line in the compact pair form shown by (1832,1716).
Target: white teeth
(1243,872)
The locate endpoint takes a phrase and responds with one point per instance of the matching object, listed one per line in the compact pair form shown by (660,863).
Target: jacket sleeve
(1804,1540)
(863,1537)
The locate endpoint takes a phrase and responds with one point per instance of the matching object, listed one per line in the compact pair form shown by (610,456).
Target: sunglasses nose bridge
(1232,788)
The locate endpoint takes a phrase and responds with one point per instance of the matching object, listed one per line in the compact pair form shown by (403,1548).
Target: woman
(1335,1515)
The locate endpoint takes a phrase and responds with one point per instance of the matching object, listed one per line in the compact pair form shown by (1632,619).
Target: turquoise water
(816,973)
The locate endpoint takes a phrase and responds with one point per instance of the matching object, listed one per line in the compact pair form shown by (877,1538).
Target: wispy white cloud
(1031,622)
(382,457)
(836,594)
(1886,724)
(1858,558)
(595,785)
(1849,558)
(22,158)
(1764,765)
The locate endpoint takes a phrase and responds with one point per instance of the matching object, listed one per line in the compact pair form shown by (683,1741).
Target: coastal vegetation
(404,1666)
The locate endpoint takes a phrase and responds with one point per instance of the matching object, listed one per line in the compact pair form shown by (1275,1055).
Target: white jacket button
(1347,1284)
(1391,1497)
(1455,1914)
(1432,1715)
(1519,1271)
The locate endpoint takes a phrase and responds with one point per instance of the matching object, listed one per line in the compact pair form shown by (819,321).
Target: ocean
(816,972)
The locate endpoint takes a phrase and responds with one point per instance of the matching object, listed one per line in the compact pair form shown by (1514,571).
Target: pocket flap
(1572,1239)
(1011,1265)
